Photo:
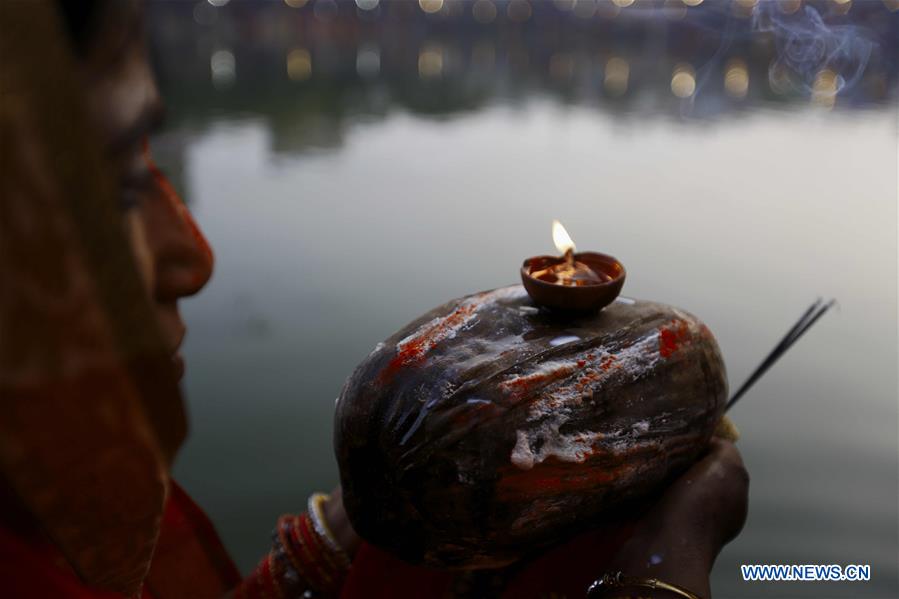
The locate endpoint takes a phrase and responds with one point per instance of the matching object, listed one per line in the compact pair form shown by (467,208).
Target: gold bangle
(317,516)
(614,581)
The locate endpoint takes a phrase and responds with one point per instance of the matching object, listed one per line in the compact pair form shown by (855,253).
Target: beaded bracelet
(305,559)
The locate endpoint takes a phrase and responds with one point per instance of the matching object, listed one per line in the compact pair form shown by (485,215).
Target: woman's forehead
(119,83)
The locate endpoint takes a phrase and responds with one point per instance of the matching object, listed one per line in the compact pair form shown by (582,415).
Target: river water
(350,178)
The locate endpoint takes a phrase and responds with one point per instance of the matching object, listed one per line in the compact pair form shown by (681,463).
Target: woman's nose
(181,255)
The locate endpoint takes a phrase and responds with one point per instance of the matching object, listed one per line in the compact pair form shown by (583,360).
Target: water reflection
(686,60)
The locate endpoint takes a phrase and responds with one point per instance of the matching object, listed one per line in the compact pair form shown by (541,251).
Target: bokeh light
(736,78)
(617,73)
(223,68)
(299,64)
(368,61)
(841,7)
(430,6)
(585,9)
(483,11)
(683,81)
(789,7)
(824,90)
(518,11)
(430,62)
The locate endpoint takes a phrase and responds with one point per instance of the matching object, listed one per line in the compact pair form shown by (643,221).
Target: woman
(96,250)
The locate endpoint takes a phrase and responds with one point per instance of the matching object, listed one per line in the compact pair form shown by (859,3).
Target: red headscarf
(90,412)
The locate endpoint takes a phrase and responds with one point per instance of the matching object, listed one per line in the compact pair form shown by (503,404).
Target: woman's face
(174,258)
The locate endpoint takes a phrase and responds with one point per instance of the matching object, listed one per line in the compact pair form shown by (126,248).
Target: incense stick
(805,322)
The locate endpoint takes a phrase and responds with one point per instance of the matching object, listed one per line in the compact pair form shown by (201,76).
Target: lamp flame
(562,239)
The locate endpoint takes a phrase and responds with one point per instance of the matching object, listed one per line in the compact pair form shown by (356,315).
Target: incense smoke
(807,46)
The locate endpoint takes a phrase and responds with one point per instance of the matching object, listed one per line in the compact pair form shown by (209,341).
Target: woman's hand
(678,540)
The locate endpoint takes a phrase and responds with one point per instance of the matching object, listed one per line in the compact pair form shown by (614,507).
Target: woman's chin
(178,363)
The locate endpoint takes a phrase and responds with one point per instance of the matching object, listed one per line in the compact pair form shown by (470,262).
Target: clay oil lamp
(574,281)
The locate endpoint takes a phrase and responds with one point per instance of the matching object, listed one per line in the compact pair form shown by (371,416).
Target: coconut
(488,428)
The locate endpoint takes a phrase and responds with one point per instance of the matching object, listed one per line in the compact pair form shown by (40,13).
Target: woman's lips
(178,363)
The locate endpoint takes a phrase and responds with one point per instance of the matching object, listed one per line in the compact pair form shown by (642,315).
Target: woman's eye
(129,199)
(134,187)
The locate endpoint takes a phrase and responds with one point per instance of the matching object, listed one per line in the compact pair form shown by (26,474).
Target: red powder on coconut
(670,339)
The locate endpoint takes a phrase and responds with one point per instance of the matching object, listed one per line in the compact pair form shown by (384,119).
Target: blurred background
(356,163)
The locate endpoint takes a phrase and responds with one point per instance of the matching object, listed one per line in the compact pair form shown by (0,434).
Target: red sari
(190,562)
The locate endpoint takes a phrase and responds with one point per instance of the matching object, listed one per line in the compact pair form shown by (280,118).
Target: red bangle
(303,552)
(287,534)
(303,557)
(310,536)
